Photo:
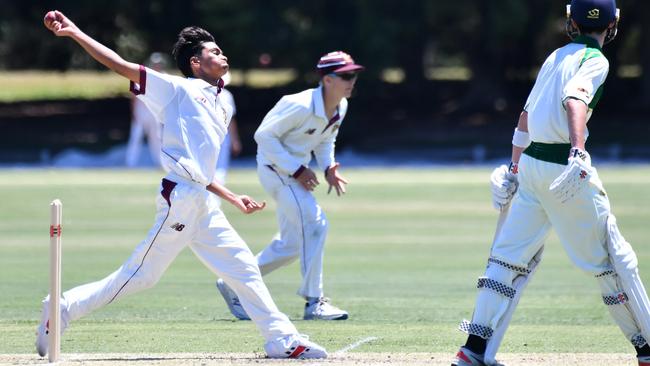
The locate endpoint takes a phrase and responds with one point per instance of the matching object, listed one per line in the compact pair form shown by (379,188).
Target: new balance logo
(178,226)
(310,131)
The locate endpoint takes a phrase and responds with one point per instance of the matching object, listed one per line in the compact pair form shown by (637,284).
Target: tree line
(499,41)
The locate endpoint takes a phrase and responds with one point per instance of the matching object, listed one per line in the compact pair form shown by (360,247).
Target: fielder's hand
(59,24)
(307,179)
(504,184)
(335,180)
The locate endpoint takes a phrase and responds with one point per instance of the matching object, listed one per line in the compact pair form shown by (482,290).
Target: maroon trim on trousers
(297,173)
(142,87)
(168,187)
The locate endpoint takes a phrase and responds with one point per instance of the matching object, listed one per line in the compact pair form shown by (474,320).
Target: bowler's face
(213,62)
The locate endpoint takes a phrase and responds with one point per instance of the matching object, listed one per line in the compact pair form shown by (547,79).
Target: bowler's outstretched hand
(59,24)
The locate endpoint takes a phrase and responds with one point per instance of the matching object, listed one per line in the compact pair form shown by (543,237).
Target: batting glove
(504,184)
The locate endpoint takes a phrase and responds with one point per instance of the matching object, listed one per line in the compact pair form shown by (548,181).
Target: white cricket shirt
(294,128)
(577,70)
(194,122)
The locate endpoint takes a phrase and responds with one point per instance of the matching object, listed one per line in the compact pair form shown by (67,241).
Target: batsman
(551,182)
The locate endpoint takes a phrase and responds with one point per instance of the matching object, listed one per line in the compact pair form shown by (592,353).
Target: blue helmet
(592,14)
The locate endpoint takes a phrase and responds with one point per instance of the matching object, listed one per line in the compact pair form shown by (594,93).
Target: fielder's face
(342,84)
(213,64)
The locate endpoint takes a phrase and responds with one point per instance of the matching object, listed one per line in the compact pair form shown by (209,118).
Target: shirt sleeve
(284,117)
(155,89)
(585,83)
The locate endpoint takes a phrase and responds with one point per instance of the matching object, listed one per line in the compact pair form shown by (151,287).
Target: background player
(559,192)
(231,145)
(194,125)
(144,123)
(298,125)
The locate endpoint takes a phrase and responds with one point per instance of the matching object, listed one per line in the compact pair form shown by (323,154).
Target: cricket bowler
(195,121)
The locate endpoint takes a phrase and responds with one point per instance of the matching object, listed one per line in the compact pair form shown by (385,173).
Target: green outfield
(403,254)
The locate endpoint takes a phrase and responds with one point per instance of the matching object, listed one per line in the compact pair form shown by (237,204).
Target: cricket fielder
(558,187)
(299,125)
(195,122)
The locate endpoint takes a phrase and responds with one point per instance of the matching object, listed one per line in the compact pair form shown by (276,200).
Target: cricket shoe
(465,357)
(232,301)
(294,346)
(323,310)
(43,329)
(644,360)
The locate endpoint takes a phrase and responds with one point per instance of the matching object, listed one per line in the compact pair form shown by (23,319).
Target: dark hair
(189,44)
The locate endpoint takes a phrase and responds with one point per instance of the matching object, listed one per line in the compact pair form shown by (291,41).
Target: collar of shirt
(319,104)
(588,41)
(202,84)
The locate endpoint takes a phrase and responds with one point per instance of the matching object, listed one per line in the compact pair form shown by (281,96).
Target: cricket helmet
(592,14)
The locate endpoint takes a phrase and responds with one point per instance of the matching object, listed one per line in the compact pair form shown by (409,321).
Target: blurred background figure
(231,146)
(144,124)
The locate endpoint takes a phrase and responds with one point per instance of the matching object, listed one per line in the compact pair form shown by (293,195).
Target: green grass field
(403,254)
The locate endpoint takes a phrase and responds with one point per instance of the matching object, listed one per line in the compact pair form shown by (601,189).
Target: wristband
(520,139)
(297,173)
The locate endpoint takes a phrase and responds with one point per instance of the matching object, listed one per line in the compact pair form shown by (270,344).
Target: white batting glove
(504,184)
(575,176)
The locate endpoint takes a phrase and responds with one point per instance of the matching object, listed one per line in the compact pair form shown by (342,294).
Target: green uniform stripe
(592,50)
(591,53)
(596,97)
(552,153)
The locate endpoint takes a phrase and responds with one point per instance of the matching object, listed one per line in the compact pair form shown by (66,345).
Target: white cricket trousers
(187,215)
(580,225)
(303,229)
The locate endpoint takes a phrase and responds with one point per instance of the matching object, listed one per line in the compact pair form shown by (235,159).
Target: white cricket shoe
(43,330)
(232,301)
(294,346)
(323,310)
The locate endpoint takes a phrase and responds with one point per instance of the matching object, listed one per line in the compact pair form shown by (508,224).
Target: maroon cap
(337,62)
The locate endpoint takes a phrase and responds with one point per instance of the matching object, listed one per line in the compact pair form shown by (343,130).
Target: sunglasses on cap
(346,76)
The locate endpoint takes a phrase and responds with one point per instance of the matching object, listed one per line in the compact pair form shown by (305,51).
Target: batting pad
(573,179)
(521,280)
(625,263)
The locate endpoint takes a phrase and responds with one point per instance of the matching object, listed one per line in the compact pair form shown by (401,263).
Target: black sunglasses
(346,77)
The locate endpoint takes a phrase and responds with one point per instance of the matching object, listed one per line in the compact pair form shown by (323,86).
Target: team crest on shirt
(335,127)
(310,131)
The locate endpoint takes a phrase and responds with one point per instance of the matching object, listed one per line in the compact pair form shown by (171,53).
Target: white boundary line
(355,345)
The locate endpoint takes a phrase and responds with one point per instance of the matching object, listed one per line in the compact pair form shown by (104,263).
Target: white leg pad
(625,263)
(618,306)
(519,284)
